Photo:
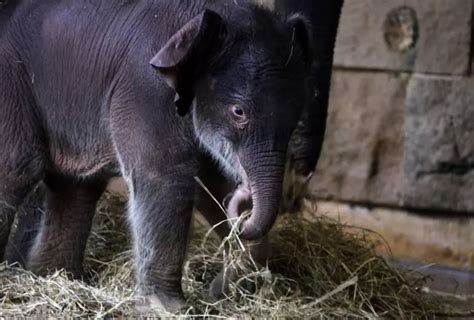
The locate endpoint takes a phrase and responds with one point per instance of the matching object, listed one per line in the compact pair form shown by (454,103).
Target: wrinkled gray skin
(157,92)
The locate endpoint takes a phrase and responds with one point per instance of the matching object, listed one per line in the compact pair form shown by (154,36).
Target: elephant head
(242,75)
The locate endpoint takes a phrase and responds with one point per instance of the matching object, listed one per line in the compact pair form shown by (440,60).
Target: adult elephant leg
(66,225)
(222,189)
(307,141)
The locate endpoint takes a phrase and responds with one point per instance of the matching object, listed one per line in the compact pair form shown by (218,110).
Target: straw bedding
(318,268)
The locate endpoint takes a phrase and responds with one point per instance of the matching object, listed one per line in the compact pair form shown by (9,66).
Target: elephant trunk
(265,173)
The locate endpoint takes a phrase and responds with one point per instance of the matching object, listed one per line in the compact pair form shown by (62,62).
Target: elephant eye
(239,116)
(238,111)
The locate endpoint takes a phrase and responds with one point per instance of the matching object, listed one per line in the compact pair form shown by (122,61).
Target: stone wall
(401,125)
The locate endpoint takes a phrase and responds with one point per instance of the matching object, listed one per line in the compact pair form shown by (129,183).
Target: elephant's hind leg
(12,194)
(21,148)
(66,225)
(28,223)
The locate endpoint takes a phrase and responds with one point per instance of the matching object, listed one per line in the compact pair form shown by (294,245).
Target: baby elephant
(156,92)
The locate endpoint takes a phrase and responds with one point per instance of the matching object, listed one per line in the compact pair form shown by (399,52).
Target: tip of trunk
(252,230)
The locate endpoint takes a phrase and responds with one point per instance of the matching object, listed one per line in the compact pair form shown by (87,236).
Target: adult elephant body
(307,141)
(153,91)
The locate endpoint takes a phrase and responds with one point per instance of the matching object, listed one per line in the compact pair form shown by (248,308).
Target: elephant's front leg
(160,216)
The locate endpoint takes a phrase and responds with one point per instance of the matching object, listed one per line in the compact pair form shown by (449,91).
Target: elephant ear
(186,54)
(302,34)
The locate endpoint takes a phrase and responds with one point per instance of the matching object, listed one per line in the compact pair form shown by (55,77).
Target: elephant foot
(220,286)
(43,269)
(162,305)
(48,256)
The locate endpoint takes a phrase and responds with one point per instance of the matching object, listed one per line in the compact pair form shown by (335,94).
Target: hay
(318,269)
